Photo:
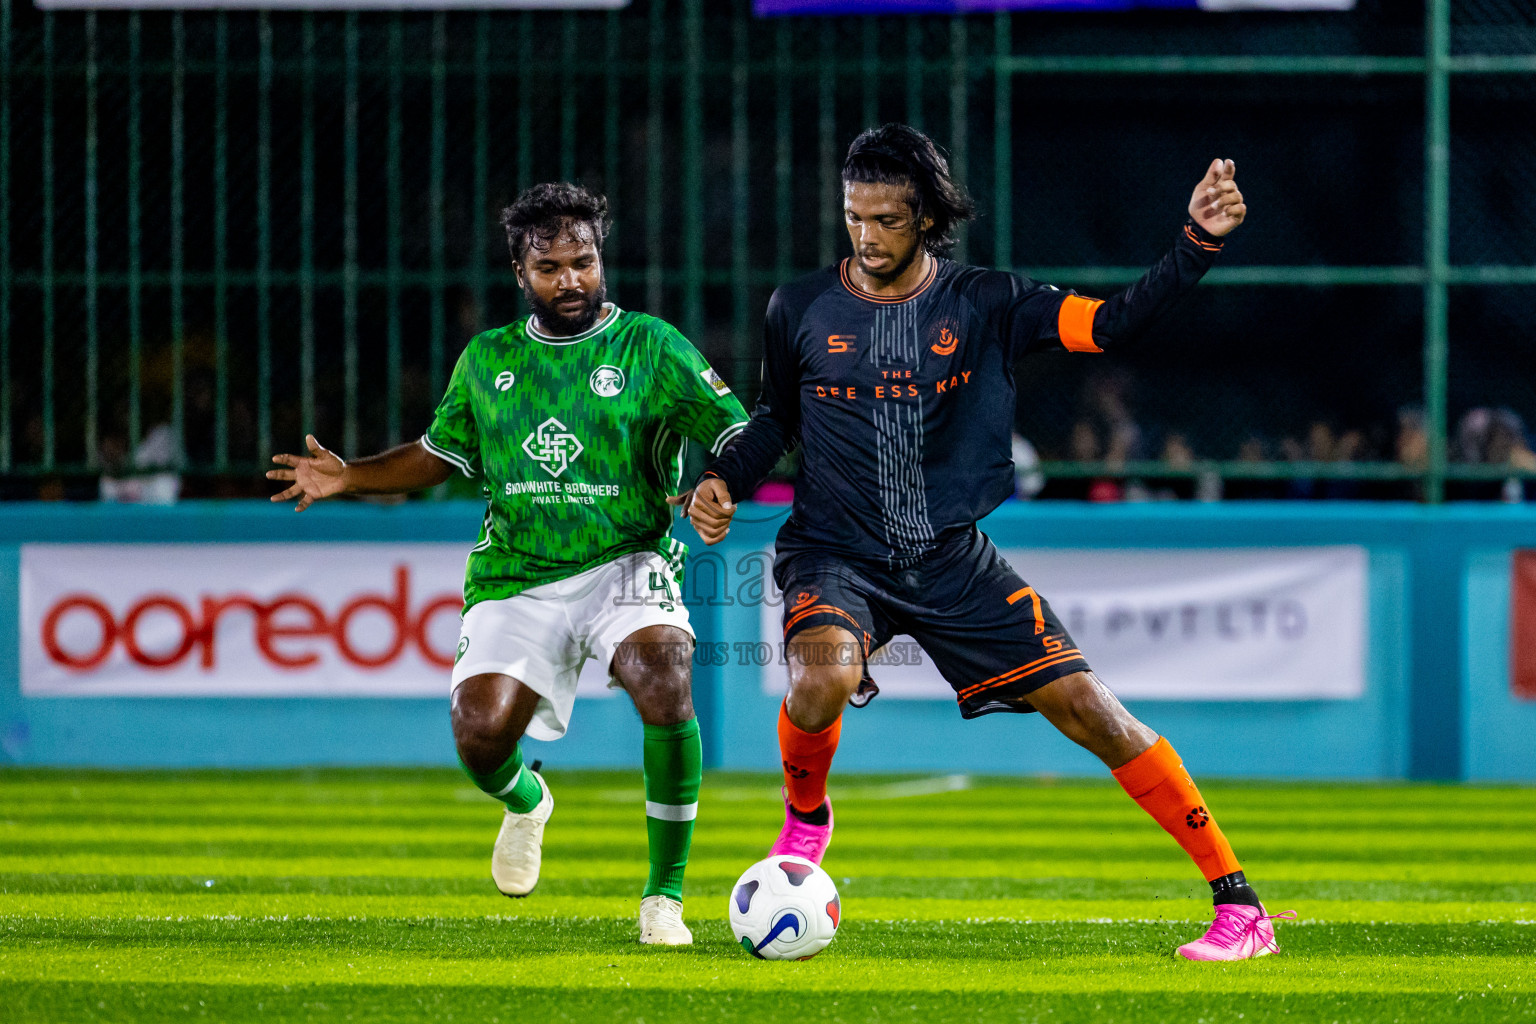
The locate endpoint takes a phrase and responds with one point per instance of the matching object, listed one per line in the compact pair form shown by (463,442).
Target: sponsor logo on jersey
(504,380)
(713,380)
(463,646)
(606,381)
(553,447)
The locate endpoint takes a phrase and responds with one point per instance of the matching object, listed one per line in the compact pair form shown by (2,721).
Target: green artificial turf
(366,895)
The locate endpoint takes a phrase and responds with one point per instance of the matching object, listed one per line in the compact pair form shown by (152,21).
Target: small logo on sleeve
(463,646)
(713,380)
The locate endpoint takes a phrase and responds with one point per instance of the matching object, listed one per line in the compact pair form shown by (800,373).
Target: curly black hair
(898,154)
(538,215)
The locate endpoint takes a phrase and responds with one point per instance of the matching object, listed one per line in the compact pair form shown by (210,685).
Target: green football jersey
(577,441)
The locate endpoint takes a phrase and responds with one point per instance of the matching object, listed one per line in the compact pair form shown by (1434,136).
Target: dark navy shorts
(989,634)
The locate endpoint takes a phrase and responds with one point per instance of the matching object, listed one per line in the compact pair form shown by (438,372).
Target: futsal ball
(785,908)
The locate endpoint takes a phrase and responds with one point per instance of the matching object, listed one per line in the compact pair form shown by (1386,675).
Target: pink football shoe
(1239,933)
(800,839)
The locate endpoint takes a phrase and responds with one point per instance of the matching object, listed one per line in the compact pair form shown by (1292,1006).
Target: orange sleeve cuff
(1144,772)
(1074,323)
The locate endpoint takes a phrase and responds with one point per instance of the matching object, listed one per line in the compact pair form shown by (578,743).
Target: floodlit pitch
(313,895)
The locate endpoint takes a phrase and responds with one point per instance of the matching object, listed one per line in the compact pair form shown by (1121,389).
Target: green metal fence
(224,229)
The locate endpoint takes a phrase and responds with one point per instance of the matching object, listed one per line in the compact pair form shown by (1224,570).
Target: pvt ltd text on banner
(1202,624)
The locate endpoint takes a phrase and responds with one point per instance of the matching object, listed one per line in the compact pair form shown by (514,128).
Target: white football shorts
(544,635)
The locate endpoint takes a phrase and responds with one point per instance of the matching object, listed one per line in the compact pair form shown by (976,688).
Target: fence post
(5,240)
(1437,156)
(692,174)
(1002,142)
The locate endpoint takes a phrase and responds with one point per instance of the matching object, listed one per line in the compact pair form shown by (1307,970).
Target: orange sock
(807,760)
(1156,780)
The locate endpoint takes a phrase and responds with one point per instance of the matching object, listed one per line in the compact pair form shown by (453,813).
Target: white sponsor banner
(231,620)
(1208,624)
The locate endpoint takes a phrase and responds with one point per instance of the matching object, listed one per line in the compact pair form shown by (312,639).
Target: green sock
(674,762)
(511,783)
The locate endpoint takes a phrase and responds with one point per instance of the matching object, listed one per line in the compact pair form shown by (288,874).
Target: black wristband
(1201,237)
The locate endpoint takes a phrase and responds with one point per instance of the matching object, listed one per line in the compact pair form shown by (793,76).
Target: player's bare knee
(483,715)
(662,696)
(480,705)
(825,666)
(1093,717)
(655,667)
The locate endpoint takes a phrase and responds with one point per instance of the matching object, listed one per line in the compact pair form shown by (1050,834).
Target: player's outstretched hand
(315,478)
(709,507)
(1217,205)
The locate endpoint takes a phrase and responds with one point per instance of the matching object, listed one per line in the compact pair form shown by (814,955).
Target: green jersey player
(573,419)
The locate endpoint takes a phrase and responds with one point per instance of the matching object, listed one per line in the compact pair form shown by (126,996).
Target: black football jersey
(903,406)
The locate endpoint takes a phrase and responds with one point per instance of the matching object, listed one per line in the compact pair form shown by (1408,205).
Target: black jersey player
(894,373)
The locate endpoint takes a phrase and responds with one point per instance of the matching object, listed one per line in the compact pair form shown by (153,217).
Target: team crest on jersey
(606,381)
(504,380)
(947,343)
(553,447)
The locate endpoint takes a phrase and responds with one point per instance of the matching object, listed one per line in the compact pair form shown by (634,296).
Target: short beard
(560,325)
(898,269)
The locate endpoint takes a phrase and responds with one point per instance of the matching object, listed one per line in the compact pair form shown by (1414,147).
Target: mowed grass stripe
(259,905)
(1503,948)
(492,937)
(1166,865)
(1140,839)
(705,885)
(492,1004)
(701,969)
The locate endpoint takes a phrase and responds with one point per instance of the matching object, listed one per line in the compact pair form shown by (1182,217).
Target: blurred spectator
(1108,406)
(1177,453)
(151,479)
(1349,447)
(1495,437)
(1084,447)
(1411,447)
(1106,489)
(1027,478)
(1083,444)
(1320,442)
(1253,449)
(1325,446)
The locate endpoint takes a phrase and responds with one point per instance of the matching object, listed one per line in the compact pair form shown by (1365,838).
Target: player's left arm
(695,401)
(1035,317)
(1216,208)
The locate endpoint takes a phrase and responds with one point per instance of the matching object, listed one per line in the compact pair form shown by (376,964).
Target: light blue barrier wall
(1499,731)
(1437,704)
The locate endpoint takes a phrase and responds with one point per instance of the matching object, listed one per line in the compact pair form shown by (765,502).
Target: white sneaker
(519,846)
(661,922)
